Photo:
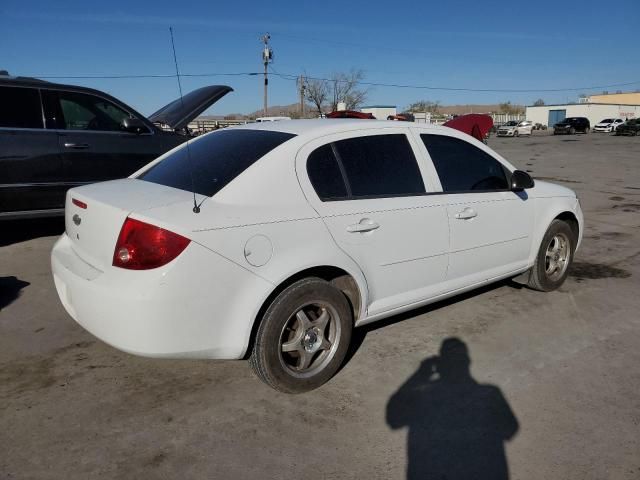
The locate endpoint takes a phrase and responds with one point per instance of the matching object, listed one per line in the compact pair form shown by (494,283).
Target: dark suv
(630,127)
(572,125)
(54,137)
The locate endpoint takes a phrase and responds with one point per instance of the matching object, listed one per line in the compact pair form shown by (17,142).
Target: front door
(490,225)
(369,190)
(91,141)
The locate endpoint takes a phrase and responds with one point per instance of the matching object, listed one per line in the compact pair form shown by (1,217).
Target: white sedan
(608,125)
(515,129)
(273,241)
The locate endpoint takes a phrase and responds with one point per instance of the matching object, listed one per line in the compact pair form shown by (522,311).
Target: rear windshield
(215,160)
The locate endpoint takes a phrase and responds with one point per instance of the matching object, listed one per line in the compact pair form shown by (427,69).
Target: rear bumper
(198,306)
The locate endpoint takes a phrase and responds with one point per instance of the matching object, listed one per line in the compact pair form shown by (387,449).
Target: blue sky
(455,44)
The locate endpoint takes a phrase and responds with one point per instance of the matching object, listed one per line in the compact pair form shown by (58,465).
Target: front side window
(209,163)
(81,111)
(20,108)
(380,166)
(463,167)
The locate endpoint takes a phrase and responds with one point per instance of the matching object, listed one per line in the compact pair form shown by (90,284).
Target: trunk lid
(94,230)
(181,111)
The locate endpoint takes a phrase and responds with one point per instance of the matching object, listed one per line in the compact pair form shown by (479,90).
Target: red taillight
(78,203)
(142,246)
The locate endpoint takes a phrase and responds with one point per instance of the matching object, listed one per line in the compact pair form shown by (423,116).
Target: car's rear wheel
(554,257)
(572,131)
(516,133)
(303,337)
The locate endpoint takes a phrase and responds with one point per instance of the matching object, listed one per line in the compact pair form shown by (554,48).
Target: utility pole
(302,87)
(267,57)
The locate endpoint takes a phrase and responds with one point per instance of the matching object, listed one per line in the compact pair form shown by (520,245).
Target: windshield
(511,124)
(572,120)
(214,160)
(607,120)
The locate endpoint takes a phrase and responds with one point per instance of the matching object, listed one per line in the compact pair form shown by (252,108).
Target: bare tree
(345,88)
(424,106)
(538,103)
(317,92)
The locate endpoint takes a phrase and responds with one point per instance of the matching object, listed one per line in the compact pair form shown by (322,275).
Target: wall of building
(381,112)
(632,98)
(593,111)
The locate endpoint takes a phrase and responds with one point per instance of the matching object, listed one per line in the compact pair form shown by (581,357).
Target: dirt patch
(627,207)
(554,179)
(596,271)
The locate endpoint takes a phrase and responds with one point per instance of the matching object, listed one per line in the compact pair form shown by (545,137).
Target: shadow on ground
(10,289)
(16,231)
(457,427)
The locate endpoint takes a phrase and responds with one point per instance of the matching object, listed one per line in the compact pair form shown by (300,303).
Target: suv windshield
(214,160)
(572,120)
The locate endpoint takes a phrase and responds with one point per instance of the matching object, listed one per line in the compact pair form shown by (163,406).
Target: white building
(596,112)
(381,112)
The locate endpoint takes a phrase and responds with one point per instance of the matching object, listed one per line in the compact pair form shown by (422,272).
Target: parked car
(539,126)
(515,129)
(608,125)
(630,127)
(53,137)
(572,125)
(306,229)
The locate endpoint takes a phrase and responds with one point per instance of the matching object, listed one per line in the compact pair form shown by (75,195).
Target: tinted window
(88,112)
(20,108)
(380,165)
(214,160)
(464,167)
(324,173)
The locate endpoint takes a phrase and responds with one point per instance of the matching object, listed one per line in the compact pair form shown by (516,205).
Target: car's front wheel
(554,257)
(303,336)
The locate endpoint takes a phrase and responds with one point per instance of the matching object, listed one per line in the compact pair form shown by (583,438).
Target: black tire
(586,131)
(281,327)
(541,277)
(516,133)
(572,131)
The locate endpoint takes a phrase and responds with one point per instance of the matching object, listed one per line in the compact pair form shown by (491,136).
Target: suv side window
(81,111)
(463,167)
(20,108)
(325,175)
(379,166)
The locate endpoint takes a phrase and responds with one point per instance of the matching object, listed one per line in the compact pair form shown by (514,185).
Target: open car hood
(181,111)
(474,124)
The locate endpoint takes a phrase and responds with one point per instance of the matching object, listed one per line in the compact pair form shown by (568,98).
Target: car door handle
(76,146)
(466,214)
(365,225)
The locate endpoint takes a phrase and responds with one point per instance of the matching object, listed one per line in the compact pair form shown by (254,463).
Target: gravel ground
(552,390)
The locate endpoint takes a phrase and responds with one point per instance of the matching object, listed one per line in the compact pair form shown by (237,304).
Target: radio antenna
(196,207)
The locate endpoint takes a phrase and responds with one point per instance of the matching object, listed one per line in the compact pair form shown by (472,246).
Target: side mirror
(134,125)
(520,181)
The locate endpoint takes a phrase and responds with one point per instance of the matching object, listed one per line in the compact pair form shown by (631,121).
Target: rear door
(92,144)
(31,174)
(368,188)
(490,225)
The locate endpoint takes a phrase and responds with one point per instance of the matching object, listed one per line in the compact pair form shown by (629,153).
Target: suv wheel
(572,131)
(303,337)
(554,257)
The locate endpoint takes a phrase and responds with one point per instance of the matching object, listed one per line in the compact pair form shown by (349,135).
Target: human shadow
(10,289)
(457,427)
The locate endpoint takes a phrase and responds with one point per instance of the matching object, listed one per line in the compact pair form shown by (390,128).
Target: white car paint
(205,302)
(514,129)
(608,125)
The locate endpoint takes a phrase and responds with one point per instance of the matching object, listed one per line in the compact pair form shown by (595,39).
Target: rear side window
(20,108)
(214,160)
(463,167)
(324,173)
(380,166)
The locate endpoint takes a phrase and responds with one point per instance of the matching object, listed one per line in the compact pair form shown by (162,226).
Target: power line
(292,77)
(288,76)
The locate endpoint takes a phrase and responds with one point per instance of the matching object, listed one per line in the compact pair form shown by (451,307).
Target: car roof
(38,83)
(327,126)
